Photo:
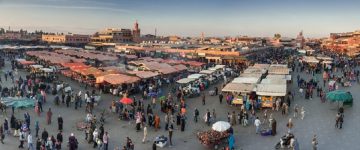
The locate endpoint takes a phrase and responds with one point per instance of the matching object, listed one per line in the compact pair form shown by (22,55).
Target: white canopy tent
(239,87)
(274,81)
(47,70)
(279,76)
(195,76)
(271,90)
(185,80)
(37,66)
(217,67)
(250,80)
(207,71)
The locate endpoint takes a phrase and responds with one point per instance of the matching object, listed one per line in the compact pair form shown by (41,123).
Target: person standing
(171,128)
(44,135)
(48,116)
(290,125)
(60,123)
(73,143)
(37,128)
(337,120)
(21,139)
(341,120)
(257,124)
(106,140)
(6,127)
(273,127)
(183,123)
(30,142)
(196,115)
(208,117)
(203,99)
(59,138)
(314,142)
(221,96)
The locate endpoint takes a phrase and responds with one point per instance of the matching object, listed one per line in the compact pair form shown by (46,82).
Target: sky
(317,18)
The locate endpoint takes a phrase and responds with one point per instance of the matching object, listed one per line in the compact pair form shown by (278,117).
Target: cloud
(98,8)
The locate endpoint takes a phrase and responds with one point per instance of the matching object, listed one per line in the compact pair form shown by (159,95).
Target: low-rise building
(71,39)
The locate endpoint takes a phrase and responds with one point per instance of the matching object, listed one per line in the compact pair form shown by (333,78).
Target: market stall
(268,93)
(240,91)
(278,69)
(113,81)
(250,80)
(216,136)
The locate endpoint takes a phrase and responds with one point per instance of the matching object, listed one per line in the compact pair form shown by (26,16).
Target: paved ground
(319,119)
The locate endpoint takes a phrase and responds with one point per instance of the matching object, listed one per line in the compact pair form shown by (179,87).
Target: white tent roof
(47,69)
(195,76)
(310,59)
(279,69)
(207,71)
(274,81)
(261,66)
(217,67)
(279,76)
(271,90)
(239,87)
(254,70)
(257,75)
(253,80)
(36,66)
(324,58)
(185,80)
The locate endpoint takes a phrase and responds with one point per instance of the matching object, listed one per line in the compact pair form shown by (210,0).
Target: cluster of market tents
(267,81)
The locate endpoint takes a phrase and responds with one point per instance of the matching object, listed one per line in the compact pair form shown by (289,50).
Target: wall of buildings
(66,39)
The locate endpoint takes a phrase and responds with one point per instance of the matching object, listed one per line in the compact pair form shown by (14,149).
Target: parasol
(221,126)
(126,101)
(339,96)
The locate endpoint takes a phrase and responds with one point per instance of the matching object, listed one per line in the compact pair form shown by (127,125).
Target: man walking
(171,128)
(221,96)
(30,142)
(22,139)
(257,124)
(106,140)
(60,123)
(314,142)
(48,116)
(196,115)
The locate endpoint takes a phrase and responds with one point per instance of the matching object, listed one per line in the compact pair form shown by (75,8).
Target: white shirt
(257,122)
(29,139)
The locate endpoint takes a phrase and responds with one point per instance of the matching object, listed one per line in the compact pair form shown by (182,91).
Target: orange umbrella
(126,101)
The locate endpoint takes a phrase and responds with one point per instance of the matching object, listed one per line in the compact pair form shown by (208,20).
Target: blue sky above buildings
(317,18)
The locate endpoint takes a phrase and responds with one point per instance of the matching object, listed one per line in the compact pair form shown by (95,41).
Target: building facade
(73,39)
(348,42)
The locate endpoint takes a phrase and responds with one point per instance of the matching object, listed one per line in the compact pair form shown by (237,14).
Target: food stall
(112,81)
(240,91)
(216,136)
(267,93)
(188,89)
(211,75)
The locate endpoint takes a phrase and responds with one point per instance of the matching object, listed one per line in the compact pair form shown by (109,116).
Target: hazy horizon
(259,18)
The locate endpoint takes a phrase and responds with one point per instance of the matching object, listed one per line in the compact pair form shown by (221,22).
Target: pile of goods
(211,137)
